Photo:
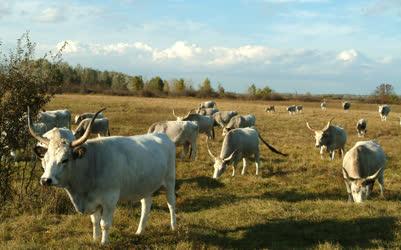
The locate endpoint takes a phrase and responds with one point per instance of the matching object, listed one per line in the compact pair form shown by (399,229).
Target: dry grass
(296,202)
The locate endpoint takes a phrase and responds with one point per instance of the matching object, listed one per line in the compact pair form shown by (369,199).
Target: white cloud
(225,56)
(180,50)
(347,55)
(50,15)
(70,47)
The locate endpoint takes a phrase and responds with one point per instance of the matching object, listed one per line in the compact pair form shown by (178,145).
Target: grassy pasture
(295,202)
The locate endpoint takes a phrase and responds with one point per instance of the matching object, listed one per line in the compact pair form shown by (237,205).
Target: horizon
(292,46)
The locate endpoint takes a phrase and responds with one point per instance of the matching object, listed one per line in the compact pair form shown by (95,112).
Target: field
(297,201)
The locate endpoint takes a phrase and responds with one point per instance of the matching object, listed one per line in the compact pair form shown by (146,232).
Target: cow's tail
(271,147)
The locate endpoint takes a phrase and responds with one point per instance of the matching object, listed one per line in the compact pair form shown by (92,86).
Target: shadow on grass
(203,182)
(201,203)
(284,234)
(294,196)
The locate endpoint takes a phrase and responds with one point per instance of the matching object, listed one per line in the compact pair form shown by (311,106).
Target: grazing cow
(361,127)
(270,109)
(223,117)
(346,106)
(292,109)
(384,110)
(204,122)
(299,108)
(330,138)
(100,126)
(79,118)
(362,165)
(96,173)
(182,133)
(240,143)
(207,104)
(55,118)
(323,105)
(239,121)
(207,111)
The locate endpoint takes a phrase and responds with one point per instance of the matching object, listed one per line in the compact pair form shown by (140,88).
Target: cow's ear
(40,151)
(78,152)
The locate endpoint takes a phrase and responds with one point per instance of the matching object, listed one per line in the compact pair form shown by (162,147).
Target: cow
(96,173)
(207,111)
(205,123)
(384,110)
(221,118)
(55,118)
(323,105)
(292,109)
(299,108)
(239,121)
(362,165)
(79,118)
(361,127)
(100,126)
(330,138)
(207,104)
(239,143)
(346,106)
(182,133)
(270,109)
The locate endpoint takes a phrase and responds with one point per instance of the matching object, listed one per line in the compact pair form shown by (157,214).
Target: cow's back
(338,137)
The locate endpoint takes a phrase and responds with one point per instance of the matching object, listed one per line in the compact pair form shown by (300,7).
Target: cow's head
(58,149)
(220,164)
(361,187)
(182,118)
(322,137)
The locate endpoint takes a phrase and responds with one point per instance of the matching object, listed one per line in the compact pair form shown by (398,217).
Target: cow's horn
(309,127)
(374,176)
(34,134)
(231,156)
(85,137)
(208,149)
(328,124)
(174,114)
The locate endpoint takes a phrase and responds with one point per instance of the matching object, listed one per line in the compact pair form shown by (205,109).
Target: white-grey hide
(292,109)
(100,127)
(207,104)
(362,165)
(361,127)
(323,105)
(182,133)
(221,118)
(239,121)
(384,111)
(346,106)
(204,122)
(330,139)
(270,109)
(207,111)
(240,143)
(55,118)
(79,118)
(97,173)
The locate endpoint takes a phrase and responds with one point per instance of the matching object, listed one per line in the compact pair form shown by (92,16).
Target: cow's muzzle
(45,181)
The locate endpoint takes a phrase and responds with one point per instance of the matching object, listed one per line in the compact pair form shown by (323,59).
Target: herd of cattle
(98,172)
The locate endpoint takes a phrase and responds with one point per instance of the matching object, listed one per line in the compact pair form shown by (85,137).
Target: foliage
(385,93)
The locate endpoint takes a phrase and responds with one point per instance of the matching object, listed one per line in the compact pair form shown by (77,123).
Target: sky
(292,46)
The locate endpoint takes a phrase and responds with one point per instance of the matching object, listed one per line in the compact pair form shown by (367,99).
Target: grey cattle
(239,121)
(207,111)
(100,126)
(330,138)
(361,127)
(346,106)
(362,165)
(270,109)
(182,133)
(299,108)
(292,109)
(384,110)
(97,173)
(204,122)
(323,105)
(207,104)
(239,143)
(221,118)
(55,118)
(79,118)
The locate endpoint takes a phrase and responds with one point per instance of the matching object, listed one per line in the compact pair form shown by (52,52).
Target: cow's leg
(107,219)
(348,186)
(170,186)
(146,204)
(257,163)
(243,166)
(321,152)
(185,150)
(193,150)
(213,134)
(332,153)
(381,184)
(95,218)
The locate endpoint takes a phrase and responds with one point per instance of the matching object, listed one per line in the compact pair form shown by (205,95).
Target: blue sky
(317,46)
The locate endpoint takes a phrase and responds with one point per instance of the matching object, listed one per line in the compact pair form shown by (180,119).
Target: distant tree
(206,88)
(179,86)
(119,82)
(166,86)
(264,93)
(252,90)
(220,90)
(385,93)
(135,83)
(155,84)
